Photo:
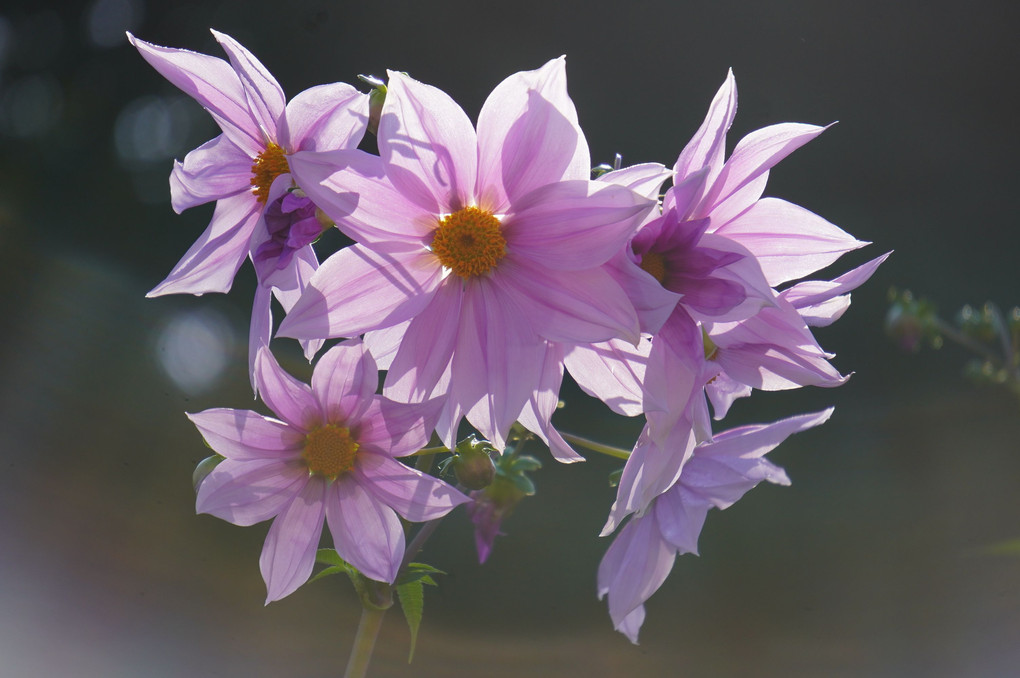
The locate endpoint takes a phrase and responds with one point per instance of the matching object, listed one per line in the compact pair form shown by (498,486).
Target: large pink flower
(329,458)
(491,243)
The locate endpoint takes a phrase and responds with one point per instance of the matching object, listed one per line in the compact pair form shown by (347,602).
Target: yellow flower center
(330,451)
(270,164)
(469,242)
(654,264)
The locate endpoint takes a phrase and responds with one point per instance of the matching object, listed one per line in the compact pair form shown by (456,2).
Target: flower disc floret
(654,264)
(469,242)
(269,164)
(330,451)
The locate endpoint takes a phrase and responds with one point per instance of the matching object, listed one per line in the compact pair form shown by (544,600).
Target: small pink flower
(329,458)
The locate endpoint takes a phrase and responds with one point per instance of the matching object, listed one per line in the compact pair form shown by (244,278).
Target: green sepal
(524,463)
(524,484)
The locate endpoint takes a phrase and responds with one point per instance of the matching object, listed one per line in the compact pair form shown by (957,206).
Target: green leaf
(525,463)
(329,557)
(416,572)
(335,569)
(524,484)
(412,601)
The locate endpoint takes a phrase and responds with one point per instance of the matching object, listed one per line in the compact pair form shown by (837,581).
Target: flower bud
(472,464)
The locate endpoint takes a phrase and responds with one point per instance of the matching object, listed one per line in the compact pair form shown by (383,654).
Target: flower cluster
(486,261)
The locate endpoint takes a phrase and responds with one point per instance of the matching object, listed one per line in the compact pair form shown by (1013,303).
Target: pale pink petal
(360,289)
(788,241)
(548,223)
(366,532)
(243,435)
(288,285)
(652,469)
(755,154)
(428,145)
(414,495)
(496,363)
(645,179)
(260,332)
(384,344)
(653,303)
(634,567)
(291,399)
(344,381)
(612,371)
(538,411)
(821,303)
(681,516)
(528,136)
(216,169)
(707,147)
(213,83)
(248,492)
(289,552)
(266,99)
(397,429)
(325,118)
(723,391)
(757,440)
(426,346)
(737,203)
(351,187)
(212,262)
(573,307)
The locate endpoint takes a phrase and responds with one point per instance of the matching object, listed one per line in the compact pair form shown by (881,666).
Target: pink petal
(573,225)
(397,429)
(426,346)
(213,83)
(634,567)
(260,332)
(384,344)
(612,371)
(248,492)
(757,153)
(414,495)
(528,136)
(289,552)
(366,532)
(707,147)
(428,145)
(788,241)
(645,179)
(496,363)
(344,382)
(572,307)
(350,187)
(265,96)
(538,411)
(325,118)
(244,435)
(291,399)
(216,169)
(821,303)
(681,517)
(212,262)
(358,289)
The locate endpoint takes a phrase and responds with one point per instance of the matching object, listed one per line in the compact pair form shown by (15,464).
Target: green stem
(364,641)
(601,448)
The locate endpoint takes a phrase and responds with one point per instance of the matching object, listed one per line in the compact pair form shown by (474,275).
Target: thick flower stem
(364,641)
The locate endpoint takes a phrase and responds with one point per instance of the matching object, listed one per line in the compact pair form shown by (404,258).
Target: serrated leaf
(416,572)
(412,601)
(335,569)
(329,557)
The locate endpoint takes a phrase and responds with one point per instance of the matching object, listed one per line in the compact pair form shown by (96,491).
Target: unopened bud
(472,464)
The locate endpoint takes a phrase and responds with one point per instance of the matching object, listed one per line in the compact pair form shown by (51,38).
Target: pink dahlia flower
(329,458)
(718,474)
(245,170)
(491,243)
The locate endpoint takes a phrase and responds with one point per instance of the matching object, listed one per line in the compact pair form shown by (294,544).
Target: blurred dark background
(880,560)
